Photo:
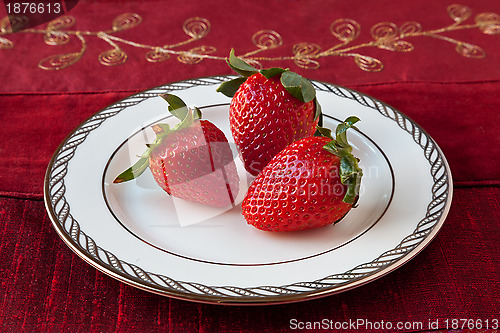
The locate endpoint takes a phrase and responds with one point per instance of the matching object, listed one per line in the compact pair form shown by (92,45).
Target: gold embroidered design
(386,35)
(303,53)
(60,61)
(196,27)
(489,23)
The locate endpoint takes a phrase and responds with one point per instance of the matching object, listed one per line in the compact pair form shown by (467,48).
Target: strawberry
(311,183)
(269,109)
(191,161)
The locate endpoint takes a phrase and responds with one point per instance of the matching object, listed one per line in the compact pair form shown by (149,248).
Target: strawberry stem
(349,171)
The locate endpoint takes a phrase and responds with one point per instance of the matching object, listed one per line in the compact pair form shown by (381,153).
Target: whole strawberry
(270,109)
(191,161)
(311,183)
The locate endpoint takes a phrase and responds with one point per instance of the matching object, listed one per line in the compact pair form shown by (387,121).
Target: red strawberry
(191,161)
(311,183)
(269,110)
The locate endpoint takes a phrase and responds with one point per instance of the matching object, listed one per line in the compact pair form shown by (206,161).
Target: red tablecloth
(445,76)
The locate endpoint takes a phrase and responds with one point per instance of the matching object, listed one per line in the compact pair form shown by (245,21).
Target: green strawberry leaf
(176,106)
(292,83)
(134,171)
(318,113)
(188,120)
(229,88)
(163,128)
(178,109)
(240,66)
(323,131)
(308,91)
(349,171)
(270,72)
(353,186)
(348,164)
(298,86)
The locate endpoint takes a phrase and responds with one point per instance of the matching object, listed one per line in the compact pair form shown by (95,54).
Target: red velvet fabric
(45,287)
(233,26)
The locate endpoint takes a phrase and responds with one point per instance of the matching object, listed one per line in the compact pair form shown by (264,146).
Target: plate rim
(133,275)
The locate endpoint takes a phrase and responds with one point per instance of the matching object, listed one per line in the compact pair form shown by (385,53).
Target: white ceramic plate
(139,235)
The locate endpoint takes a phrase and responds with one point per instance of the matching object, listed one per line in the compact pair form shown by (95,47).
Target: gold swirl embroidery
(489,23)
(367,63)
(386,35)
(126,21)
(60,61)
(409,29)
(267,39)
(115,56)
(56,37)
(346,30)
(470,51)
(459,13)
(5,43)
(194,55)
(302,53)
(263,40)
(196,27)
(112,57)
(63,22)
(157,55)
(384,31)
